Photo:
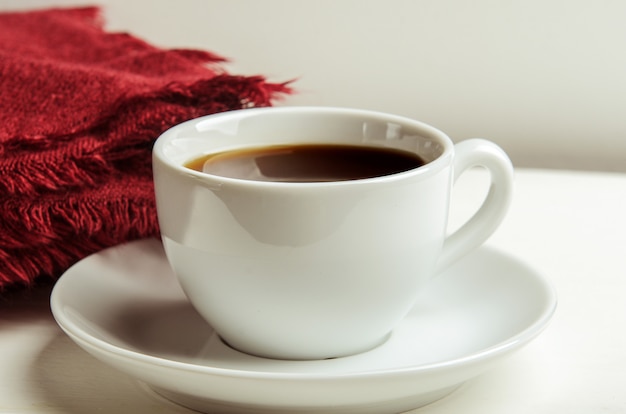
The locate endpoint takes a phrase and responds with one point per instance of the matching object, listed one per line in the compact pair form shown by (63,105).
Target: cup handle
(472,153)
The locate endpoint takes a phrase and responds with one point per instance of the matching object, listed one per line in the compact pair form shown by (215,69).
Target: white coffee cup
(315,270)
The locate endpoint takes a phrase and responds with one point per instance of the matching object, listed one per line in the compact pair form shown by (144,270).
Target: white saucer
(124,306)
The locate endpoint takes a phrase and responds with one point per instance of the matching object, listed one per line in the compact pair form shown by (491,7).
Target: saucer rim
(489,353)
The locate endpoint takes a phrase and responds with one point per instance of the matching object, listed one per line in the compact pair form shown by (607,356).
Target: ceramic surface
(125,307)
(245,251)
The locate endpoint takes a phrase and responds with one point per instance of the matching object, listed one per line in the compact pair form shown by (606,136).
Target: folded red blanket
(79,111)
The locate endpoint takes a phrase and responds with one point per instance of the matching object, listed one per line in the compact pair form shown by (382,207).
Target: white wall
(546,79)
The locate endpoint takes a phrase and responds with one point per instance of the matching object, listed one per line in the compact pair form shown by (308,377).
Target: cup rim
(427,169)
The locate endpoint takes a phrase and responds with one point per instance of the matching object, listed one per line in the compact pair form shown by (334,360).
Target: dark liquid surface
(307,163)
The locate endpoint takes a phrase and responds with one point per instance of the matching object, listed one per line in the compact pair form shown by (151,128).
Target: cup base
(300,355)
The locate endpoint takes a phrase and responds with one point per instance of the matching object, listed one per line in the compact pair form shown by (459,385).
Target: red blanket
(79,111)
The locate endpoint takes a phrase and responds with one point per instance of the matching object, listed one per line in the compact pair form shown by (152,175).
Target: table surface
(568,225)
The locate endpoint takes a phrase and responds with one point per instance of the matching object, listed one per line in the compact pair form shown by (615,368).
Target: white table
(571,226)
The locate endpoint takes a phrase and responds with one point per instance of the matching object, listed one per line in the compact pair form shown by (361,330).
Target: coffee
(307,162)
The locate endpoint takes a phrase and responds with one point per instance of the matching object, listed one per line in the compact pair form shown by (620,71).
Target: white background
(545,79)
